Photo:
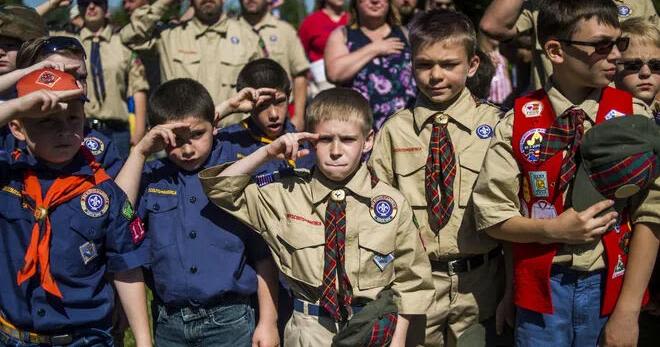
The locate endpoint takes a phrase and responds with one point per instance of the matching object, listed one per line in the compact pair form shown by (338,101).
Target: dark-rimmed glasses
(602,47)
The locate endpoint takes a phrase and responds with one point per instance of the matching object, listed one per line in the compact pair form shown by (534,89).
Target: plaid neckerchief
(439,175)
(564,134)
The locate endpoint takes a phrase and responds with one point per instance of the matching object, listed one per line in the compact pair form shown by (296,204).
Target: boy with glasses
(568,265)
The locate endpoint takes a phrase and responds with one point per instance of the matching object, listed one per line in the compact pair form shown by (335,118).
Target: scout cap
(49,79)
(22,23)
(620,158)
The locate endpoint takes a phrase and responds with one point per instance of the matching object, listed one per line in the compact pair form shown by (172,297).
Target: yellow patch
(11,190)
(161,191)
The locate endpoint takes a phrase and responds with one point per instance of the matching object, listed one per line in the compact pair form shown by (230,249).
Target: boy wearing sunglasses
(639,68)
(568,266)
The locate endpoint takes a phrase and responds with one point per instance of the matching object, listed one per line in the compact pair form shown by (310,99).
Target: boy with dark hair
(342,238)
(268,121)
(568,265)
(188,236)
(433,153)
(68,229)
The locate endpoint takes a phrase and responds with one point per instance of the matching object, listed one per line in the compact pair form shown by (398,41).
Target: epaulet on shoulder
(397,115)
(500,108)
(270,177)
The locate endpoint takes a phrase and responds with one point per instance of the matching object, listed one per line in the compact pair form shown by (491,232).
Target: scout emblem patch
(484,131)
(137,230)
(94,202)
(539,183)
(88,252)
(530,144)
(127,210)
(234,40)
(94,145)
(624,11)
(619,269)
(613,114)
(532,109)
(543,210)
(48,79)
(383,209)
(383,260)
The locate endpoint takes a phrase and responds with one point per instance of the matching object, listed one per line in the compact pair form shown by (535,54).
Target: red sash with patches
(62,190)
(533,116)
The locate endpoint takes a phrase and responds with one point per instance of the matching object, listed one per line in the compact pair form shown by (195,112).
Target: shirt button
(193,269)
(192,199)
(193,234)
(41,312)
(156,207)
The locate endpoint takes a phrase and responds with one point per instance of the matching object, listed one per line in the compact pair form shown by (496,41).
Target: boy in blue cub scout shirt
(268,120)
(205,263)
(67,227)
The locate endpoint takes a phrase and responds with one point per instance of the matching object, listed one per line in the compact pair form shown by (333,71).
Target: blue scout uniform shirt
(104,150)
(198,251)
(83,249)
(241,140)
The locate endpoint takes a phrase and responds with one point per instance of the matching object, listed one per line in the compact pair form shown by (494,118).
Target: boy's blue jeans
(84,338)
(230,325)
(576,321)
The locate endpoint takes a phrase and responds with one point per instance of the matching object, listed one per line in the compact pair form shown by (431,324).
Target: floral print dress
(386,81)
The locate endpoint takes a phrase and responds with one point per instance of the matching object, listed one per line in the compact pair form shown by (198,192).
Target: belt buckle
(64,339)
(450,267)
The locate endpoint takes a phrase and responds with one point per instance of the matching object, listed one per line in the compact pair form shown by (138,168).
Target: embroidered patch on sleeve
(137,230)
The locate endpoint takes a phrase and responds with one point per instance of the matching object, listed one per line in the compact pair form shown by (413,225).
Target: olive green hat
(21,23)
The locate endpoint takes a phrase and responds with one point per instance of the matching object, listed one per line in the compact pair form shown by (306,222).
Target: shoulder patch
(127,210)
(94,145)
(270,177)
(484,131)
(94,202)
(383,209)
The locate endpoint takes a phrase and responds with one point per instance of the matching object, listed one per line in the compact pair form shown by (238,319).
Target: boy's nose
(645,71)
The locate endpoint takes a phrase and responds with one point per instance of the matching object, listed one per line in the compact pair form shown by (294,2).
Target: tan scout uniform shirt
(496,192)
(282,44)
(124,75)
(399,157)
(289,214)
(212,55)
(528,19)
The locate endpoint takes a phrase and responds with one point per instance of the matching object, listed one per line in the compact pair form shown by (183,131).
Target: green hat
(22,23)
(619,158)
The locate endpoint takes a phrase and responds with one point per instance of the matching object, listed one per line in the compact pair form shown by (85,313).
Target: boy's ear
(17,130)
(554,51)
(473,65)
(369,142)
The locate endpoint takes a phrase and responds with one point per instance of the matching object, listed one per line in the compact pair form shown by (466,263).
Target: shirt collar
(359,184)
(560,103)
(199,28)
(267,21)
(105,34)
(458,111)
(77,167)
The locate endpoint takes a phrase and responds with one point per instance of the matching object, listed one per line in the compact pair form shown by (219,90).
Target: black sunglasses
(55,44)
(602,47)
(635,65)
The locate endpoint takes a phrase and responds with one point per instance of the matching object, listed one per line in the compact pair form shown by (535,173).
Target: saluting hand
(574,227)
(42,103)
(246,100)
(160,137)
(287,146)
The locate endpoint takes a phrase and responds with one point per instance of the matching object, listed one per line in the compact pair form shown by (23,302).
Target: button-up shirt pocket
(410,174)
(376,247)
(470,165)
(186,63)
(162,220)
(302,252)
(82,253)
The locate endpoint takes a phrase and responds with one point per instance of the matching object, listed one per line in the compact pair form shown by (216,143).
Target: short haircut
(642,31)
(30,53)
(342,104)
(178,99)
(392,18)
(438,25)
(479,84)
(263,73)
(559,18)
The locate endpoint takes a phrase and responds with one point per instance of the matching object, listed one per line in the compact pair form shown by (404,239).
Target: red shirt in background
(315,30)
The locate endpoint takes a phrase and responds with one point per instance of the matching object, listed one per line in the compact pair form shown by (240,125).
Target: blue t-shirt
(198,251)
(91,236)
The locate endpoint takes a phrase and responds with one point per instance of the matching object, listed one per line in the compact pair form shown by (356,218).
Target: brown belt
(34,338)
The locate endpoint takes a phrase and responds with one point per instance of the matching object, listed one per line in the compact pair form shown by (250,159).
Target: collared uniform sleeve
(138,34)
(298,60)
(412,269)
(381,156)
(125,249)
(137,76)
(495,193)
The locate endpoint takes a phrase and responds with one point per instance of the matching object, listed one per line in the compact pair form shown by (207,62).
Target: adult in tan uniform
(506,19)
(465,262)
(114,74)
(382,245)
(211,48)
(279,41)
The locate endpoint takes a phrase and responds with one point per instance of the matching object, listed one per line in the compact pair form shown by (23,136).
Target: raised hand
(287,146)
